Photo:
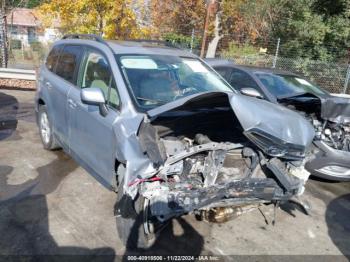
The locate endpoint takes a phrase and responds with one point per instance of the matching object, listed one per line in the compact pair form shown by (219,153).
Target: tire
(45,129)
(130,217)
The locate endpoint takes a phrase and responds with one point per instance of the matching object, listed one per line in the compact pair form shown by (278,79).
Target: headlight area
(276,147)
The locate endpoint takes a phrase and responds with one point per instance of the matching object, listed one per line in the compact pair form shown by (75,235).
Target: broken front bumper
(250,190)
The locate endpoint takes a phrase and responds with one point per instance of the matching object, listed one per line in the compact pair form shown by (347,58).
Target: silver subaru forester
(159,126)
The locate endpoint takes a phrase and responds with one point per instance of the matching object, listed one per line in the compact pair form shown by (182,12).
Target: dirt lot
(51,206)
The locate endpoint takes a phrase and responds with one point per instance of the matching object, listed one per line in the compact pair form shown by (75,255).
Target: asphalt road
(51,206)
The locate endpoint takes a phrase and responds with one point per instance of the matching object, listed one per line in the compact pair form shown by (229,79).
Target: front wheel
(136,227)
(45,129)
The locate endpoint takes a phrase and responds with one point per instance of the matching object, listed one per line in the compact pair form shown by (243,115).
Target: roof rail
(159,42)
(85,36)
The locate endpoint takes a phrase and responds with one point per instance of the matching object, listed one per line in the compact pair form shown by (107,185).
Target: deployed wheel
(136,227)
(45,129)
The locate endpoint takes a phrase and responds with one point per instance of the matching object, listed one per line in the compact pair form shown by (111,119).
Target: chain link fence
(334,77)
(331,76)
(26,56)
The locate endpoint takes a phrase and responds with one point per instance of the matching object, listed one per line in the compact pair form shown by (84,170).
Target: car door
(56,90)
(91,135)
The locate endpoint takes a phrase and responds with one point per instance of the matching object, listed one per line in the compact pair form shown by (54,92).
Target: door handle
(48,85)
(71,103)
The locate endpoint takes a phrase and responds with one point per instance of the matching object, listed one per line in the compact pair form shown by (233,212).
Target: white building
(24,25)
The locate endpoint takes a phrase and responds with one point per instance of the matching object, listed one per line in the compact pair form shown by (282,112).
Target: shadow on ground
(24,224)
(8,115)
(188,242)
(338,222)
(177,238)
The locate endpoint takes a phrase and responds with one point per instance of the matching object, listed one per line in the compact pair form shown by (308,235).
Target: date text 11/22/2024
(173,258)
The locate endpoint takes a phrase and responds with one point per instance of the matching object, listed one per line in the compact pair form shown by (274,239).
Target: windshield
(288,85)
(158,79)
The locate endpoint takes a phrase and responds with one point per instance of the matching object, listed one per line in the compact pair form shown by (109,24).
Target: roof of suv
(124,47)
(135,47)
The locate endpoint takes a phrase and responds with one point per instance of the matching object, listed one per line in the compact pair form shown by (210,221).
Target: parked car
(329,114)
(166,132)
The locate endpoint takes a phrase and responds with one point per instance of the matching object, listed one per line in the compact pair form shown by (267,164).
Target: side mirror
(248,91)
(94,96)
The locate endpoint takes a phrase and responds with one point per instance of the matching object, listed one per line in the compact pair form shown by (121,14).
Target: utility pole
(276,54)
(192,40)
(347,78)
(3,35)
(210,5)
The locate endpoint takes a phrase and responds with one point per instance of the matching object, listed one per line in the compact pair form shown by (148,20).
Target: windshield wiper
(151,100)
(288,96)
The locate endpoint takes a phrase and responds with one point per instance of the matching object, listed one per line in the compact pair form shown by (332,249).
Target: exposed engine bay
(206,162)
(216,155)
(335,134)
(200,174)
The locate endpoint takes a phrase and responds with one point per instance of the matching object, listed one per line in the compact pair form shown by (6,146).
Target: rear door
(91,135)
(58,78)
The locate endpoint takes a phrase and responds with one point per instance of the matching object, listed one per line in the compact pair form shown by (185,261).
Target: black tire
(130,216)
(47,137)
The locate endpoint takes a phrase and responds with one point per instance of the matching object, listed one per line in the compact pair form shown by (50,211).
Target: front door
(91,135)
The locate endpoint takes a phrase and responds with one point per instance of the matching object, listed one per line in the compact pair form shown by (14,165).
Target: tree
(110,18)
(314,29)
(336,15)
(250,21)
(217,31)
(23,3)
(177,16)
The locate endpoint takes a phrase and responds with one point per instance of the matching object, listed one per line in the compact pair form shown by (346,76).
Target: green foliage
(309,33)
(310,29)
(16,44)
(36,46)
(182,40)
(330,76)
(236,50)
(330,7)
(21,3)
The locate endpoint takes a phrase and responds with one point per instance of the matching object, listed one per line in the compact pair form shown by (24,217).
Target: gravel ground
(17,84)
(51,206)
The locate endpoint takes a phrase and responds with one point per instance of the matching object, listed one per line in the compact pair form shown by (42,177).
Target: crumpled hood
(273,119)
(252,113)
(336,109)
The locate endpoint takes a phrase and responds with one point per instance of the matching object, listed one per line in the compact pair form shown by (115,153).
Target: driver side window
(97,74)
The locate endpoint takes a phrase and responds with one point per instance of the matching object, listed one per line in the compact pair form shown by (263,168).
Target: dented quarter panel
(128,150)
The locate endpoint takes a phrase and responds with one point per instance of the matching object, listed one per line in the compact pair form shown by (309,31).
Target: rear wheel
(136,227)
(45,128)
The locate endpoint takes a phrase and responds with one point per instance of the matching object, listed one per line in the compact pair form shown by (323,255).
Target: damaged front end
(330,117)
(215,151)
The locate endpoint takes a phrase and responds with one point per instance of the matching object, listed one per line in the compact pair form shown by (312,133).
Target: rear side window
(52,58)
(68,63)
(225,72)
(240,79)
